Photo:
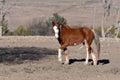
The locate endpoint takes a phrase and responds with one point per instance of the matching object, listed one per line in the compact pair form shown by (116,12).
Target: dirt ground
(35,58)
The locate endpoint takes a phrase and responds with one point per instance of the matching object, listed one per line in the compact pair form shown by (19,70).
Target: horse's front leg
(60,50)
(60,54)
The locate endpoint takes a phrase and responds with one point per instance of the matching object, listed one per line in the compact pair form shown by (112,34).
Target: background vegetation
(44,28)
(38,27)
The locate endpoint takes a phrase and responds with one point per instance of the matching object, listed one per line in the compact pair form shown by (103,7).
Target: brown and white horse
(73,36)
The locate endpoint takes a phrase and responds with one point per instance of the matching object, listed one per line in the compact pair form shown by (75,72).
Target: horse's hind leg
(90,51)
(87,57)
(87,51)
(66,56)
(94,58)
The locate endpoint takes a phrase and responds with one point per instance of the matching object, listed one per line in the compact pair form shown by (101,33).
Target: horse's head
(57,24)
(56,28)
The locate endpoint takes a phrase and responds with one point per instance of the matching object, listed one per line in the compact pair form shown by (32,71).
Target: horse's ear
(53,23)
(58,23)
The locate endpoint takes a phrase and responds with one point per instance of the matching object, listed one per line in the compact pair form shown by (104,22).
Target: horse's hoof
(95,64)
(60,59)
(66,62)
(86,63)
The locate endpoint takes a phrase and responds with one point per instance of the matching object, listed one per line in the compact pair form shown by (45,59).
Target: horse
(68,36)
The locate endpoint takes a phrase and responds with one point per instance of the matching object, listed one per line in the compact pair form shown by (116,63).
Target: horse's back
(84,32)
(87,31)
(88,34)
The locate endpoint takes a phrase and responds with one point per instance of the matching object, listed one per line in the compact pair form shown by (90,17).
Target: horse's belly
(72,39)
(75,41)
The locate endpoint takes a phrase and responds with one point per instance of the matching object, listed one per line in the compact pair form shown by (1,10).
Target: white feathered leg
(59,55)
(94,58)
(66,57)
(87,57)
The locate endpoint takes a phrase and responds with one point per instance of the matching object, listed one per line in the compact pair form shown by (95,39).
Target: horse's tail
(97,43)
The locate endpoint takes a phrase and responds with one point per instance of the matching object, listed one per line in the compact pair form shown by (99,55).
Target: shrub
(44,28)
(21,31)
(109,31)
(58,18)
(39,27)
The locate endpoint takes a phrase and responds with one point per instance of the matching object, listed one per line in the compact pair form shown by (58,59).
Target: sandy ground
(35,58)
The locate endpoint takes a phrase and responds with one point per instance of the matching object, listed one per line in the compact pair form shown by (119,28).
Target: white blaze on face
(56,30)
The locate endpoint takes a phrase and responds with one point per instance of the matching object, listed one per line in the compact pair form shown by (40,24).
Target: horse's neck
(64,29)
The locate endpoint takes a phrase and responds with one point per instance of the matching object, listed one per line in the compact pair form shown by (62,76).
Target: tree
(44,27)
(107,7)
(38,27)
(58,18)
(3,21)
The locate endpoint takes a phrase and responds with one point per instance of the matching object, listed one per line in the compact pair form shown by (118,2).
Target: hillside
(77,12)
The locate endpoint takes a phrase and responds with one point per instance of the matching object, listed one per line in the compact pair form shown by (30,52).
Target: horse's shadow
(102,61)
(19,55)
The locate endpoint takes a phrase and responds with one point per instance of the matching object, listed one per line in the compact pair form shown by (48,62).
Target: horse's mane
(64,25)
